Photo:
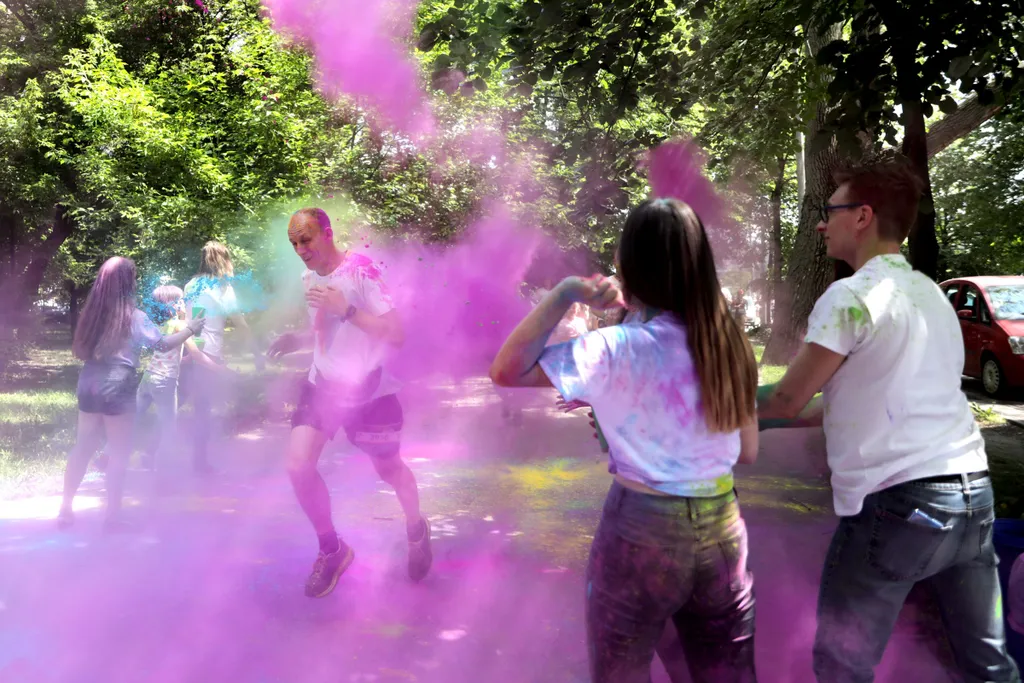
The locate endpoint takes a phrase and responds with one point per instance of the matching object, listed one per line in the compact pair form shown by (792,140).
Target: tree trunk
(28,264)
(72,306)
(924,246)
(810,270)
(775,284)
(801,170)
(809,274)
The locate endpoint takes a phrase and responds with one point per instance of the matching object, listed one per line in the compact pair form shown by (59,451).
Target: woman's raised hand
(597,291)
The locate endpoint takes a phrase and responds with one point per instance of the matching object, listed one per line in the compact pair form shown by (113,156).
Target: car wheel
(992,377)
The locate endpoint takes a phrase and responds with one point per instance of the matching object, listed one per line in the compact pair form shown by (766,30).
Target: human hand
(327,299)
(569,406)
(598,292)
(196,325)
(283,345)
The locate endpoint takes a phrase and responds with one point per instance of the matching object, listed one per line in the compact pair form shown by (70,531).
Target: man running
(353,324)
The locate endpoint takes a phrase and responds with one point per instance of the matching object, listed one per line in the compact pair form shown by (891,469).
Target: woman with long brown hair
(211,292)
(675,393)
(111,334)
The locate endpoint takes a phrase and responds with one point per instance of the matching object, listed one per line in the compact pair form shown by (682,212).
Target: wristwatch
(349,312)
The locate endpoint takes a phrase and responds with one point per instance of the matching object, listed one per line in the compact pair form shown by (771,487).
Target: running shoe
(65,519)
(420,554)
(327,569)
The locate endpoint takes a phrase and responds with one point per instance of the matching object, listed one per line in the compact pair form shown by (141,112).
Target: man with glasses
(909,470)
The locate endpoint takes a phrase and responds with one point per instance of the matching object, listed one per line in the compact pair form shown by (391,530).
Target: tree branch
(636,54)
(968,116)
(20,13)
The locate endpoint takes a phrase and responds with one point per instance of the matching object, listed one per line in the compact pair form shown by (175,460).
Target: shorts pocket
(901,550)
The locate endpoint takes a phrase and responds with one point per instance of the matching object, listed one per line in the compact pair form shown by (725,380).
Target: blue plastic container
(1008,539)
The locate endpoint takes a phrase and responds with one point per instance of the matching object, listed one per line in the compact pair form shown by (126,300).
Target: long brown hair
(106,318)
(215,261)
(667,263)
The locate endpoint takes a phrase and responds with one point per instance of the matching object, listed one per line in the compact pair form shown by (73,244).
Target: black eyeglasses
(825,208)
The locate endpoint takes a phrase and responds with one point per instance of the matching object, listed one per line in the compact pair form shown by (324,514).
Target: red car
(991,312)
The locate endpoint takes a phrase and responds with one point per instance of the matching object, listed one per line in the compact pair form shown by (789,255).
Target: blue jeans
(878,555)
(656,558)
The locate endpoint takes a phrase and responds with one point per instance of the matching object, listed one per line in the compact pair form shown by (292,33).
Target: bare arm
(814,414)
(810,371)
(239,321)
(516,362)
(200,358)
(173,341)
(290,342)
(748,444)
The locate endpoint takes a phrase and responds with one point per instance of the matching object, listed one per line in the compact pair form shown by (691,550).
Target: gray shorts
(107,389)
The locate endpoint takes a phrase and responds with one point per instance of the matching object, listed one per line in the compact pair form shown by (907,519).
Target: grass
(39,412)
(767,374)
(986,416)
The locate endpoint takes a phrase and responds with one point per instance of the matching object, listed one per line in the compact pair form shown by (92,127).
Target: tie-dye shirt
(167,364)
(640,379)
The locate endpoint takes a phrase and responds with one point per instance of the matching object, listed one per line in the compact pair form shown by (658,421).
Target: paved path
(211,589)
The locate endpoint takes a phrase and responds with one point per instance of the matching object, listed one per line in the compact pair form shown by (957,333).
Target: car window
(969,301)
(951,292)
(1008,301)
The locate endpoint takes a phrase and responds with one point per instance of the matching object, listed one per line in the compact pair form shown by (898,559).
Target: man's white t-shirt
(642,383)
(218,299)
(894,411)
(343,353)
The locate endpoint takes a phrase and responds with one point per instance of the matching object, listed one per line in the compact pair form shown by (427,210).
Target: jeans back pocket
(902,550)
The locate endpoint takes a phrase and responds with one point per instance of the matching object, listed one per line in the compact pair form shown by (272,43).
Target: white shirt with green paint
(894,411)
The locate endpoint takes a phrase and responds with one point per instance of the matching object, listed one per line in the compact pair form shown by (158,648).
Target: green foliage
(978,183)
(160,125)
(602,84)
(586,85)
(906,51)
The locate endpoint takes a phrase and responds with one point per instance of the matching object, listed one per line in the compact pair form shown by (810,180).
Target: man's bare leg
(397,474)
(304,447)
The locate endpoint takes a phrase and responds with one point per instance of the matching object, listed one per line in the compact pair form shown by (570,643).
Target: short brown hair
(891,188)
(317,214)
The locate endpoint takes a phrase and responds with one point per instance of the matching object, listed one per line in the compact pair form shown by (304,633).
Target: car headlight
(1017,345)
